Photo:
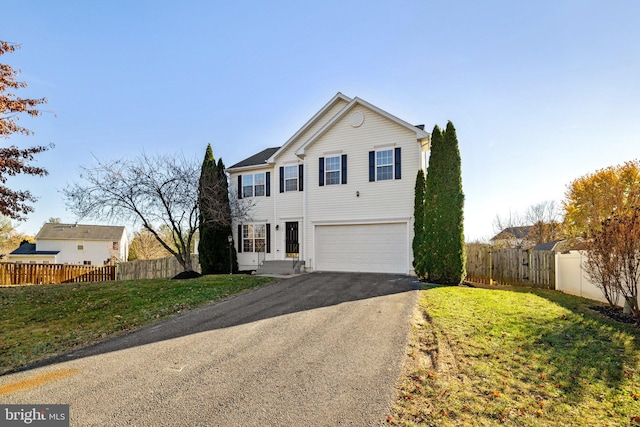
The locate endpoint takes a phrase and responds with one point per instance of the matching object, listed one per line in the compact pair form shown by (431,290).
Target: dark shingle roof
(547,246)
(30,249)
(512,233)
(80,232)
(257,159)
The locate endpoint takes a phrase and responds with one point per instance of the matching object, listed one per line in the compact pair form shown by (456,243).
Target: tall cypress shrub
(453,268)
(215,219)
(206,245)
(429,244)
(442,245)
(418,223)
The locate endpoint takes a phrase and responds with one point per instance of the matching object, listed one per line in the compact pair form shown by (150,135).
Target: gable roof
(30,249)
(258,159)
(420,133)
(80,232)
(332,102)
(512,233)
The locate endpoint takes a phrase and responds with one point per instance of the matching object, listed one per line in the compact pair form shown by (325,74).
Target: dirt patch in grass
(617,314)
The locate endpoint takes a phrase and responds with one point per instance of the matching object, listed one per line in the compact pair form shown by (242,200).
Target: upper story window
(80,245)
(385,164)
(333,170)
(254,185)
(291,178)
(115,246)
(258,189)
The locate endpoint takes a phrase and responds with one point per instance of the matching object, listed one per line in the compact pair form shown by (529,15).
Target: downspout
(303,254)
(275,213)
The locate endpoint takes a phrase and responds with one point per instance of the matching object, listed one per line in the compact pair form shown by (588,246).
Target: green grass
(517,357)
(41,321)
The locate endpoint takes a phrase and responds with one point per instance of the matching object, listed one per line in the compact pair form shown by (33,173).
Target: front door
(292,245)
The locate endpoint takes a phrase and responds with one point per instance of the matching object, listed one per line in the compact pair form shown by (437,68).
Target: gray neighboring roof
(30,249)
(257,159)
(547,246)
(80,232)
(512,233)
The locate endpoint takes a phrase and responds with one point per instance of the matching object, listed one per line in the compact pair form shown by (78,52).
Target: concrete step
(285,268)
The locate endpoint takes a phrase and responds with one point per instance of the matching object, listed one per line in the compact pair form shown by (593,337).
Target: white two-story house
(74,244)
(337,195)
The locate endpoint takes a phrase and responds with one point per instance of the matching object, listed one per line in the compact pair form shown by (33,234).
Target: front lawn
(41,321)
(517,357)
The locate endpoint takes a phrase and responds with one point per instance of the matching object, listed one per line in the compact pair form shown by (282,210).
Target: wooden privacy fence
(511,266)
(154,268)
(43,274)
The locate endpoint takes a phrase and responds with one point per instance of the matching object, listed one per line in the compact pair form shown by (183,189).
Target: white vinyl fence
(572,279)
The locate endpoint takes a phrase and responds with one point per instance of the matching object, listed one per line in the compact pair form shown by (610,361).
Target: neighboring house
(513,237)
(337,195)
(74,244)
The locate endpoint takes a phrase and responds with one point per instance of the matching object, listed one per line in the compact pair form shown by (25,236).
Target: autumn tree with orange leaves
(591,199)
(13,160)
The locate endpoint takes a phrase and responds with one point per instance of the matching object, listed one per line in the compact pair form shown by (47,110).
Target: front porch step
(284,268)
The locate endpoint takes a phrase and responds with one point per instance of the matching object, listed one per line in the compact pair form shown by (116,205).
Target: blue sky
(540,93)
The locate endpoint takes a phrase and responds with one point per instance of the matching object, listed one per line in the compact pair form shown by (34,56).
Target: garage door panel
(363,247)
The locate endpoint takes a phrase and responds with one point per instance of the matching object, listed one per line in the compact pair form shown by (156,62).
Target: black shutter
(321,175)
(344,168)
(372,166)
(239,238)
(267,190)
(281,179)
(239,186)
(398,162)
(268,238)
(300,175)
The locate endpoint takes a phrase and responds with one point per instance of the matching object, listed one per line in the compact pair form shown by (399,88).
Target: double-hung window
(384,165)
(291,178)
(247,186)
(259,184)
(253,238)
(332,170)
(253,185)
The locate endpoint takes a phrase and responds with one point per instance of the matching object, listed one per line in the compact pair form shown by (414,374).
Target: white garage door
(376,248)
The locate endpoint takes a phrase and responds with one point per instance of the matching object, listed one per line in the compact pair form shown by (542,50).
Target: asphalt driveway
(317,349)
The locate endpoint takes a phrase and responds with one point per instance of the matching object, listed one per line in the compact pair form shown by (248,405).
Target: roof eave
(248,168)
(338,97)
(420,134)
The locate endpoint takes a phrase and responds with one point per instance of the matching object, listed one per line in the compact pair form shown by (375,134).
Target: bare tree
(545,222)
(613,261)
(154,191)
(513,219)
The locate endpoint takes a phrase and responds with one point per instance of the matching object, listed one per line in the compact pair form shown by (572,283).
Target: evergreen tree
(452,205)
(418,223)
(429,245)
(215,218)
(442,254)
